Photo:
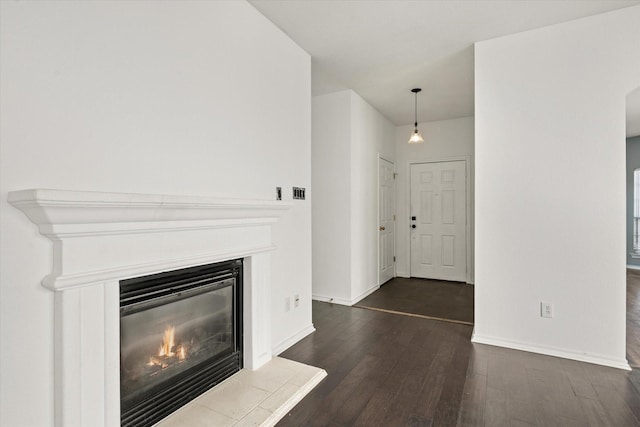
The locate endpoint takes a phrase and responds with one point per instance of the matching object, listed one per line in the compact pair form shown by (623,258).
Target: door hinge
(394,175)
(394,258)
(394,217)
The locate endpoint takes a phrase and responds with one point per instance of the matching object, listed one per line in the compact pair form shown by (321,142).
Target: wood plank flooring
(433,298)
(383,369)
(633,317)
(507,387)
(392,370)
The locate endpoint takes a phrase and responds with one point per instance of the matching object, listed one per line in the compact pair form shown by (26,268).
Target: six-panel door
(438,220)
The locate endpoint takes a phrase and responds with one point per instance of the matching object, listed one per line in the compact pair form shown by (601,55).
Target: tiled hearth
(250,398)
(102,238)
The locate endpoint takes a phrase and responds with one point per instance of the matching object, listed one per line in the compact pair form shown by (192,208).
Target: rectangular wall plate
(546,309)
(298,193)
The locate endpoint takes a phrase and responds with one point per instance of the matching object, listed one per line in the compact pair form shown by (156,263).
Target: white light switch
(546,309)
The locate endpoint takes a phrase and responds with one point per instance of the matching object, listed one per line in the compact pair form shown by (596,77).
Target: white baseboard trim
(365,294)
(288,342)
(552,351)
(332,300)
(344,301)
(468,282)
(633,267)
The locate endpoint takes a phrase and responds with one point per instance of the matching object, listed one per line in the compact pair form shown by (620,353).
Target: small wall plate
(298,193)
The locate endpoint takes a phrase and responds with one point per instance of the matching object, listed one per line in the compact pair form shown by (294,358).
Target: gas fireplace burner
(180,335)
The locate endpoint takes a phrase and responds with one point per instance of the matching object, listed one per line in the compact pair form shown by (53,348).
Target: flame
(166,349)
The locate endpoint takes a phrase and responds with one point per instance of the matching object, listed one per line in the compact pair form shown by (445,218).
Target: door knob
(413,226)
(382,228)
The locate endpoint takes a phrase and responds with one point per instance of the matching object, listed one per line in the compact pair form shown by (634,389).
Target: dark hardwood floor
(393,370)
(508,387)
(383,369)
(432,298)
(633,317)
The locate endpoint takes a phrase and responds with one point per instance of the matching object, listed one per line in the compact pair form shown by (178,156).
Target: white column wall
(372,134)
(550,186)
(348,136)
(175,97)
(331,179)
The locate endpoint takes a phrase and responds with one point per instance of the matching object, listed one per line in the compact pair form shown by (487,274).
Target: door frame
(469,221)
(395,193)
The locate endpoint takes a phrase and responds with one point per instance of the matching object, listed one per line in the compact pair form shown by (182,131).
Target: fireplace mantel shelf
(101,236)
(66,213)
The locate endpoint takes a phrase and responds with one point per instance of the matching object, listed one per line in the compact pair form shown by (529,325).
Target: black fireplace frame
(142,293)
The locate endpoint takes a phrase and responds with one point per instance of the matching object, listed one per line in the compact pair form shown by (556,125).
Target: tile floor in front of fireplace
(250,398)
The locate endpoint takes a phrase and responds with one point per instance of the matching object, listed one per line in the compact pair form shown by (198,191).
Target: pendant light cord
(415,136)
(416,109)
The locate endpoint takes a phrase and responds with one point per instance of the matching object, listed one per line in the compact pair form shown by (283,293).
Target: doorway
(438,220)
(386,221)
(633,227)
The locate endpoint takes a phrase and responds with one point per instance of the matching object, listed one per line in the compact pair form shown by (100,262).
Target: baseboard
(344,301)
(365,294)
(293,339)
(468,282)
(552,351)
(332,300)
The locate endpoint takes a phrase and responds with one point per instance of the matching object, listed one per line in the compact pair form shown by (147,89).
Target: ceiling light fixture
(416,136)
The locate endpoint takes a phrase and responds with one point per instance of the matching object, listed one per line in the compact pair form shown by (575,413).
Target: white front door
(386,221)
(438,220)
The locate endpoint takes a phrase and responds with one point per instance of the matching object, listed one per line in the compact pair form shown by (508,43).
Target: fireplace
(103,239)
(180,335)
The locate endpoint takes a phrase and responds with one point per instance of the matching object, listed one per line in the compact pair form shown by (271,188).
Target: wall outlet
(287,304)
(296,300)
(546,309)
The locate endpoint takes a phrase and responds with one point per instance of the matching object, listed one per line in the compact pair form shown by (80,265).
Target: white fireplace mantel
(102,238)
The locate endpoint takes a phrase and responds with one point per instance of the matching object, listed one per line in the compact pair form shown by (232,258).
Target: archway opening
(633,226)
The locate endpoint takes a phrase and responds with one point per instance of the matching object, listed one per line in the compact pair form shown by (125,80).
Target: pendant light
(416,136)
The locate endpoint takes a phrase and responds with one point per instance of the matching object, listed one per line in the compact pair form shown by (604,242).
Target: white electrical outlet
(287,304)
(546,309)
(296,300)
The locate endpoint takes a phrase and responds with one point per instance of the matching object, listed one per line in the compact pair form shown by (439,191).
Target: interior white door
(386,221)
(438,220)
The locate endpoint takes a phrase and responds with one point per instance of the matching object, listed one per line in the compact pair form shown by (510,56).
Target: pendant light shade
(416,136)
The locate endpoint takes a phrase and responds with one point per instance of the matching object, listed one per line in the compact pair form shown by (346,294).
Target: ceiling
(383,49)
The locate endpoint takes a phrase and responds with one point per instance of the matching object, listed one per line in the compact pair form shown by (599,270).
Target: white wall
(444,140)
(348,136)
(200,98)
(331,181)
(372,135)
(550,186)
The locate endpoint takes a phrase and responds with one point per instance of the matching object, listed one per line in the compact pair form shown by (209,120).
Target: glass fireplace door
(173,335)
